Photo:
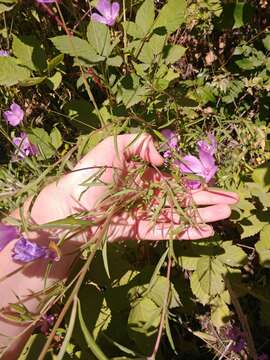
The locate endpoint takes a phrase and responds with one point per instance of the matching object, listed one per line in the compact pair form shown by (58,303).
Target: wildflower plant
(89,71)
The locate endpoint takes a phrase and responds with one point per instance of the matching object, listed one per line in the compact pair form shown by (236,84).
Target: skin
(68,196)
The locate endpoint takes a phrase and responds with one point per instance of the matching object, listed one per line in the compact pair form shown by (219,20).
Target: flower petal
(191,164)
(7,234)
(99,18)
(115,10)
(104,7)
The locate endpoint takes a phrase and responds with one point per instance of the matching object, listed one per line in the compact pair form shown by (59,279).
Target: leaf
(99,38)
(234,256)
(266,42)
(115,61)
(29,52)
(10,72)
(42,140)
(56,138)
(249,63)
(143,322)
(76,47)
(53,63)
(197,289)
(132,91)
(54,81)
(220,313)
(209,272)
(261,175)
(32,81)
(145,16)
(133,30)
(255,227)
(89,338)
(171,16)
(174,53)
(238,15)
(263,247)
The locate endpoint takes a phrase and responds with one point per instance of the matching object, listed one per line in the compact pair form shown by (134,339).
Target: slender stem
(163,314)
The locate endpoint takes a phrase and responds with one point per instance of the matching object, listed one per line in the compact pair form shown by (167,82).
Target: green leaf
(171,16)
(152,49)
(197,289)
(115,61)
(132,91)
(133,30)
(238,15)
(29,52)
(254,226)
(266,42)
(99,38)
(263,247)
(220,313)
(210,271)
(32,81)
(234,256)
(10,72)
(76,47)
(53,82)
(143,322)
(249,63)
(56,138)
(261,175)
(53,63)
(42,140)
(145,16)
(174,53)
(89,338)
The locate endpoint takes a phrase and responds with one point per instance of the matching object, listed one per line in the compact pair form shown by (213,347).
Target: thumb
(143,146)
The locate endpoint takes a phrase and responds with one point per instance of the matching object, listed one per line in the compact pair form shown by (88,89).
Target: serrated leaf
(209,272)
(234,256)
(171,16)
(11,73)
(42,140)
(77,47)
(53,82)
(255,226)
(197,290)
(145,16)
(249,63)
(29,52)
(99,37)
(133,30)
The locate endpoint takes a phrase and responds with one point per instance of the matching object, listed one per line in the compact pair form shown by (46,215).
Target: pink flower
(14,116)
(209,146)
(204,166)
(7,233)
(171,142)
(24,147)
(109,12)
(45,1)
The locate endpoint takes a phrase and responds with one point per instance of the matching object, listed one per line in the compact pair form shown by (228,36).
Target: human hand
(112,162)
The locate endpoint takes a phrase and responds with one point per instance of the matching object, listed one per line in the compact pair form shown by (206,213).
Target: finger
(201,215)
(142,146)
(145,230)
(214,196)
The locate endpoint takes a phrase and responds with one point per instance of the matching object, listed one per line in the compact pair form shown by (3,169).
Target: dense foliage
(196,67)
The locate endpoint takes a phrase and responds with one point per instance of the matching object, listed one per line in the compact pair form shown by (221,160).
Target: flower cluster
(14,117)
(24,250)
(202,166)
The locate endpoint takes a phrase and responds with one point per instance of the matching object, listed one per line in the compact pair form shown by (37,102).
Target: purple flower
(171,142)
(24,147)
(238,337)
(45,1)
(26,251)
(7,233)
(45,322)
(109,12)
(204,166)
(14,116)
(4,53)
(209,146)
